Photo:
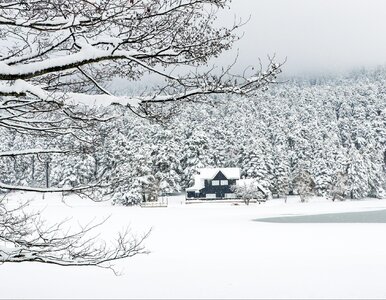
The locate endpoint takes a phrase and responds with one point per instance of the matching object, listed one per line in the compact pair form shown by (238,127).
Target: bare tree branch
(26,238)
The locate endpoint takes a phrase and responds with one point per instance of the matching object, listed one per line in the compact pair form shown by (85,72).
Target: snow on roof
(198,184)
(210,173)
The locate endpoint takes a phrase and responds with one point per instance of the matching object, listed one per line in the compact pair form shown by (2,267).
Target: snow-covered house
(219,183)
(214,183)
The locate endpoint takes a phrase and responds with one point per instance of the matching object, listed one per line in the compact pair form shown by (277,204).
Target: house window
(211,196)
(230,196)
(224,182)
(216,182)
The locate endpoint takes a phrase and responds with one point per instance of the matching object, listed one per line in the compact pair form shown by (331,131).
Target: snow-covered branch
(118,38)
(21,88)
(49,190)
(30,152)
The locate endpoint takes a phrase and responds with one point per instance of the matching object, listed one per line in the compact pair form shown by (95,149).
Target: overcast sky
(316,36)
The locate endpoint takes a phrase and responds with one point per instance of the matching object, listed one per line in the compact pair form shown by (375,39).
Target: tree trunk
(33,169)
(47,167)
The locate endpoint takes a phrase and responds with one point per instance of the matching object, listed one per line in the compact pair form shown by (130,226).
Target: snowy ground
(219,251)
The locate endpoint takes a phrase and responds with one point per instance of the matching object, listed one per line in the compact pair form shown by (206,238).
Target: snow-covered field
(218,251)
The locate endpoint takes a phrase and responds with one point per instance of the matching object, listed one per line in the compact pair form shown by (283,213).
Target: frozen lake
(377,216)
(215,250)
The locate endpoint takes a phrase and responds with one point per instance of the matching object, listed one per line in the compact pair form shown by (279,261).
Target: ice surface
(217,251)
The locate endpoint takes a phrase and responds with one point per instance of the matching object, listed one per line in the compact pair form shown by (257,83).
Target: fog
(316,36)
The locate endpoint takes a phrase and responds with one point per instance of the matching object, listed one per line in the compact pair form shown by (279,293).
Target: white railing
(160,203)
